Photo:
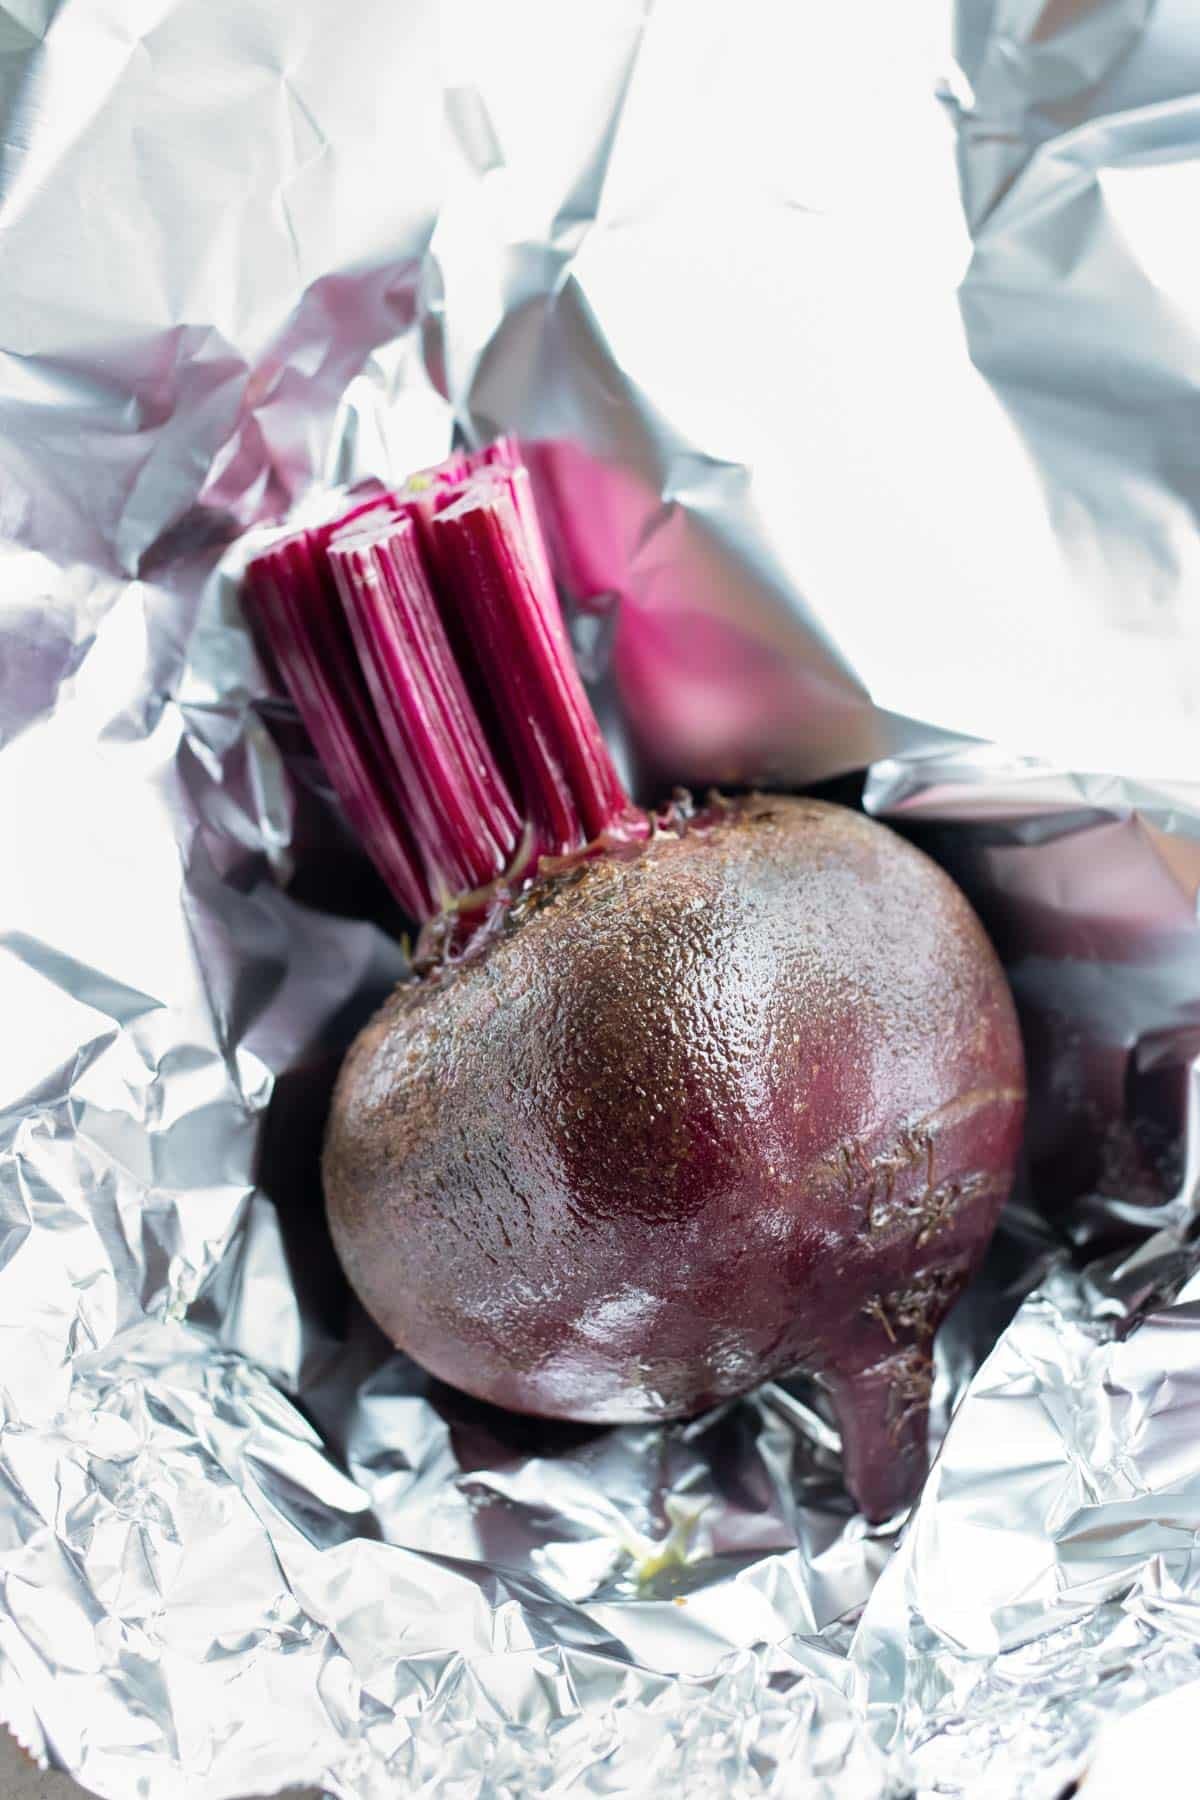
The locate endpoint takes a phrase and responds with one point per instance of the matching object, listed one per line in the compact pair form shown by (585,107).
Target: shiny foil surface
(858,351)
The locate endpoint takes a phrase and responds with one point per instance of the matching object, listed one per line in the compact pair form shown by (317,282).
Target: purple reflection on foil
(1095,918)
(717,693)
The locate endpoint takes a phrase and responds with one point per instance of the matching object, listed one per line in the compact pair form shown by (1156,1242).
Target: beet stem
(424,646)
(295,602)
(458,808)
(490,562)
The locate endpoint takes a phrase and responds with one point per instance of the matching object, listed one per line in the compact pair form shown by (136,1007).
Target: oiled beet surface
(746,1101)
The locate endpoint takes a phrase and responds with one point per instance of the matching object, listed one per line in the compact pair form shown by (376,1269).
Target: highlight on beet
(674,1102)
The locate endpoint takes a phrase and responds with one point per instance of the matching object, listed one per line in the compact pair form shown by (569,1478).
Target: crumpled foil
(857,349)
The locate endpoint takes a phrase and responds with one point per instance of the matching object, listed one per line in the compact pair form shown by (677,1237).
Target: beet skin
(746,1100)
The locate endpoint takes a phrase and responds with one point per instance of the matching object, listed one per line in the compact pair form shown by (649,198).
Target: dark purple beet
(741,1100)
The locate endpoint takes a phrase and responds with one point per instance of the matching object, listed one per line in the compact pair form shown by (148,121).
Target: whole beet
(745,1101)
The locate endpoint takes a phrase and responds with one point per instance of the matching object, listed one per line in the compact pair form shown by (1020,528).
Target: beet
(700,1100)
(743,1102)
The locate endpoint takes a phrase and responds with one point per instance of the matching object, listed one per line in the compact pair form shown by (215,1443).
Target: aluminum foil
(857,349)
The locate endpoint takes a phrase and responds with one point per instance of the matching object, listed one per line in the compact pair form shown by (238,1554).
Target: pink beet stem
(423,643)
(291,589)
(457,806)
(490,560)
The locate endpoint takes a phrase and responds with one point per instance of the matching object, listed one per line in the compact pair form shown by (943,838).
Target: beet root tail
(883,1414)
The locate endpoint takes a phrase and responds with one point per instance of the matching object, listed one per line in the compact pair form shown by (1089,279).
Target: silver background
(872,335)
